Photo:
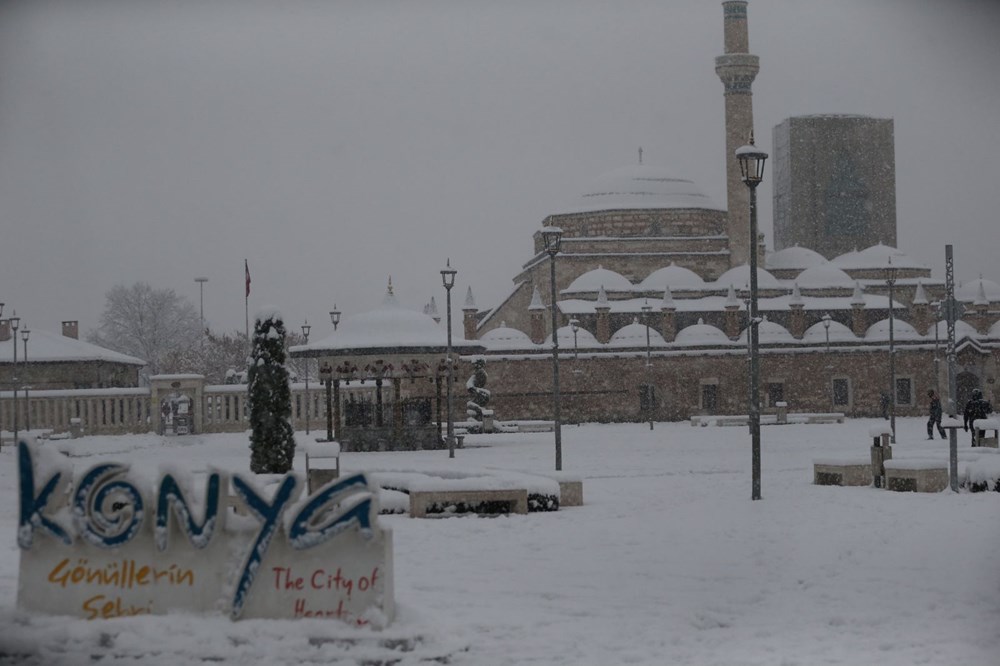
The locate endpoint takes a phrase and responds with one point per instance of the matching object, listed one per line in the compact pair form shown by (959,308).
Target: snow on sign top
(640,186)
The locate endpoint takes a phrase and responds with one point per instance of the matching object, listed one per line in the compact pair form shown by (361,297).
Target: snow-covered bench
(447,502)
(921,476)
(842,471)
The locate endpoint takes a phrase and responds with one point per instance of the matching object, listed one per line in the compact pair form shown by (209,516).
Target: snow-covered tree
(272,441)
(155,325)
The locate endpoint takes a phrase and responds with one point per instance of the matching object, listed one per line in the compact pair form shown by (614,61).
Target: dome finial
(389,287)
(640,154)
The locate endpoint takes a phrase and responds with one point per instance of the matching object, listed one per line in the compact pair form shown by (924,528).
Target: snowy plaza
(667,562)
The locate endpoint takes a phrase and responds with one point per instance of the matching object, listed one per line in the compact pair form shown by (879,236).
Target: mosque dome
(634,335)
(901,330)
(740,275)
(969,291)
(593,280)
(701,334)
(673,276)
(640,186)
(794,258)
(824,276)
(584,338)
(816,334)
(504,337)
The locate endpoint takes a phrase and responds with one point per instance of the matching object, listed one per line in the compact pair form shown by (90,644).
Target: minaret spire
(737,70)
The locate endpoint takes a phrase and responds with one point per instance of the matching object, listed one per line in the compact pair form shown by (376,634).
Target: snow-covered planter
(983,474)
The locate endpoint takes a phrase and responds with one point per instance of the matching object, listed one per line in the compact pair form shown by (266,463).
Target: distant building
(834,183)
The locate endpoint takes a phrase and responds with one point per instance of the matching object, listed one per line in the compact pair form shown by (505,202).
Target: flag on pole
(246,266)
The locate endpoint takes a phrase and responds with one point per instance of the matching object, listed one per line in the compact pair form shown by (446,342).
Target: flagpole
(246,299)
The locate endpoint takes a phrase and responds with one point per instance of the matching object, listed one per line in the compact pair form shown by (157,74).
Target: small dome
(593,280)
(770,332)
(794,258)
(673,276)
(584,338)
(505,337)
(876,256)
(634,335)
(640,186)
(825,276)
(963,329)
(969,291)
(901,330)
(740,276)
(816,334)
(701,334)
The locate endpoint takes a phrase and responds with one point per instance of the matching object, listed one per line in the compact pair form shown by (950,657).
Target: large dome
(673,276)
(640,186)
(594,279)
(794,258)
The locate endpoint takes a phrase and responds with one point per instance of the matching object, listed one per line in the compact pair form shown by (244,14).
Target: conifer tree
(272,441)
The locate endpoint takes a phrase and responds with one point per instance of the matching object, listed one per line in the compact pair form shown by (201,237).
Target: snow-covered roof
(47,347)
(701,334)
(640,186)
(634,335)
(994,331)
(816,333)
(390,326)
(824,276)
(740,276)
(901,330)
(673,276)
(599,277)
(505,337)
(584,338)
(876,256)
(794,258)
(969,291)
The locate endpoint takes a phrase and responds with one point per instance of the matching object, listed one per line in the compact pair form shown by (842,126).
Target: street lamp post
(335,317)
(826,326)
(574,325)
(27,404)
(326,376)
(937,351)
(752,162)
(448,280)
(646,309)
(890,279)
(552,237)
(15,322)
(305,334)
(201,301)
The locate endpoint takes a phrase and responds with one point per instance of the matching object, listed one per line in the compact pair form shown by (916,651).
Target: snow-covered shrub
(272,440)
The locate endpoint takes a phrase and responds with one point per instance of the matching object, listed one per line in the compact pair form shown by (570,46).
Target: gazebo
(385,372)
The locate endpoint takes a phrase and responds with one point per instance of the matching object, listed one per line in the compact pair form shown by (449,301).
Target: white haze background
(334,143)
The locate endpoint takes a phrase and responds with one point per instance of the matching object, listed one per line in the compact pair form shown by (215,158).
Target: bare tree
(155,325)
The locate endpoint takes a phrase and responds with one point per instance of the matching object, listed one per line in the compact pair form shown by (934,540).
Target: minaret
(737,69)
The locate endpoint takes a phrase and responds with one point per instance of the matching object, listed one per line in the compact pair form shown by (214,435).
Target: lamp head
(15,322)
(448,275)
(752,161)
(574,324)
(24,334)
(335,316)
(305,330)
(552,239)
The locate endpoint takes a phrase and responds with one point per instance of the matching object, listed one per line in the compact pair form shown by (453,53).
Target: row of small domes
(702,334)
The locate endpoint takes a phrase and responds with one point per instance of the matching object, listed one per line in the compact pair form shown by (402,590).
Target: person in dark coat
(935,415)
(976,408)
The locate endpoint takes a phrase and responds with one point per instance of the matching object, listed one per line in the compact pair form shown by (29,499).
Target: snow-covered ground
(668,562)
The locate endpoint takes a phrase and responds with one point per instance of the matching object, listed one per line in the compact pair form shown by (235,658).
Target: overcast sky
(335,143)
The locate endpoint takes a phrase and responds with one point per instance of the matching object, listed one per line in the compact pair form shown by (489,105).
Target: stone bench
(514,500)
(920,476)
(834,417)
(842,472)
(322,464)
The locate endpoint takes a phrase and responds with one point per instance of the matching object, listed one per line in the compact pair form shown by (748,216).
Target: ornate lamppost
(646,309)
(574,325)
(826,319)
(752,161)
(326,376)
(448,280)
(936,305)
(15,323)
(335,317)
(305,334)
(552,238)
(890,279)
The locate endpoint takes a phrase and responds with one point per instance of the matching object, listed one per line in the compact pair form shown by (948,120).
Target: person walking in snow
(976,408)
(935,415)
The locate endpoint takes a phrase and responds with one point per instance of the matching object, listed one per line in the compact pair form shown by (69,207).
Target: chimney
(71,329)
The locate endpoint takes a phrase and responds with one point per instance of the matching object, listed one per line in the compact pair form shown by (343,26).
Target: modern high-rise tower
(834,183)
(737,69)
